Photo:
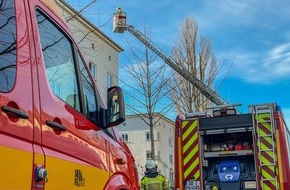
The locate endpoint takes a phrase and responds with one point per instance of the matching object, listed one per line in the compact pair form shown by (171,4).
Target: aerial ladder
(120,26)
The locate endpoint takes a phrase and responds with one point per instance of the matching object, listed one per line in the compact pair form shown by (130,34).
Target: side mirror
(115,106)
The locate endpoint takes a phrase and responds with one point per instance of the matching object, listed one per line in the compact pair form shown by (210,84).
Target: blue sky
(253,35)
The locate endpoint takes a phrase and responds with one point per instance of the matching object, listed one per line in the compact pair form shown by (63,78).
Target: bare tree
(194,54)
(148,77)
(84,34)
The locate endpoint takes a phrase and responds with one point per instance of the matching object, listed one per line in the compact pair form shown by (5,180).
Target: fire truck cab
(55,131)
(230,151)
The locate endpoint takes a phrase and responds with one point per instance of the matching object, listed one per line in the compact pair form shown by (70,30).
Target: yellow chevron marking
(189,130)
(265,160)
(262,116)
(190,155)
(265,174)
(193,152)
(187,172)
(265,186)
(189,169)
(264,147)
(190,142)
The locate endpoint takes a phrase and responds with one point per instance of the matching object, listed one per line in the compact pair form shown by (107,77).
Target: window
(90,104)
(61,69)
(158,136)
(148,136)
(109,80)
(170,141)
(171,175)
(170,159)
(56,87)
(59,61)
(93,69)
(148,155)
(125,137)
(7,45)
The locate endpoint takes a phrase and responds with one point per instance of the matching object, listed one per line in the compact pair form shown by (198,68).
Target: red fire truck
(230,151)
(55,132)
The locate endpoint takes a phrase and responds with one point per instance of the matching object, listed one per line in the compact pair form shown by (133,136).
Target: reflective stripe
(190,150)
(267,152)
(156,183)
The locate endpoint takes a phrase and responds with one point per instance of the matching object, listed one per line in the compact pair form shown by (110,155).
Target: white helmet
(150,165)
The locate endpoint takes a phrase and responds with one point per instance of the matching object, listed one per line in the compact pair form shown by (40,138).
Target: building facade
(136,134)
(99,51)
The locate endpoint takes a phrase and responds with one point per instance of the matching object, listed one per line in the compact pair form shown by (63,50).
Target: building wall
(95,46)
(136,130)
(166,147)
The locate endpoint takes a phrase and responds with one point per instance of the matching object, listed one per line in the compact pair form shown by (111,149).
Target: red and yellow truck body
(55,132)
(229,151)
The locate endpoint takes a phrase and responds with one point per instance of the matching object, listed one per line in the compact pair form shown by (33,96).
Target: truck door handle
(18,113)
(120,161)
(55,125)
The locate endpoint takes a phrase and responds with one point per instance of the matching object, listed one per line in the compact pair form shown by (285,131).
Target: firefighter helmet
(151,166)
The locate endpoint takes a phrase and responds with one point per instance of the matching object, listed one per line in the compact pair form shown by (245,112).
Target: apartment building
(99,51)
(136,134)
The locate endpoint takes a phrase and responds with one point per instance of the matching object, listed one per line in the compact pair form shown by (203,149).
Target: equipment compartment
(228,144)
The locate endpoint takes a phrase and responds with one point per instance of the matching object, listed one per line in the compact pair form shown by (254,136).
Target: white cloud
(214,14)
(264,67)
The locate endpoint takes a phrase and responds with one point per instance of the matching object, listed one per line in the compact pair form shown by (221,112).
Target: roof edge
(65,5)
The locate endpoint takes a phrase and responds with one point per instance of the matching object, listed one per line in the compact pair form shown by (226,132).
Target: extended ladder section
(205,90)
(267,155)
(119,26)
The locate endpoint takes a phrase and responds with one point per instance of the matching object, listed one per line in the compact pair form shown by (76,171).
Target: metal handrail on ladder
(265,127)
